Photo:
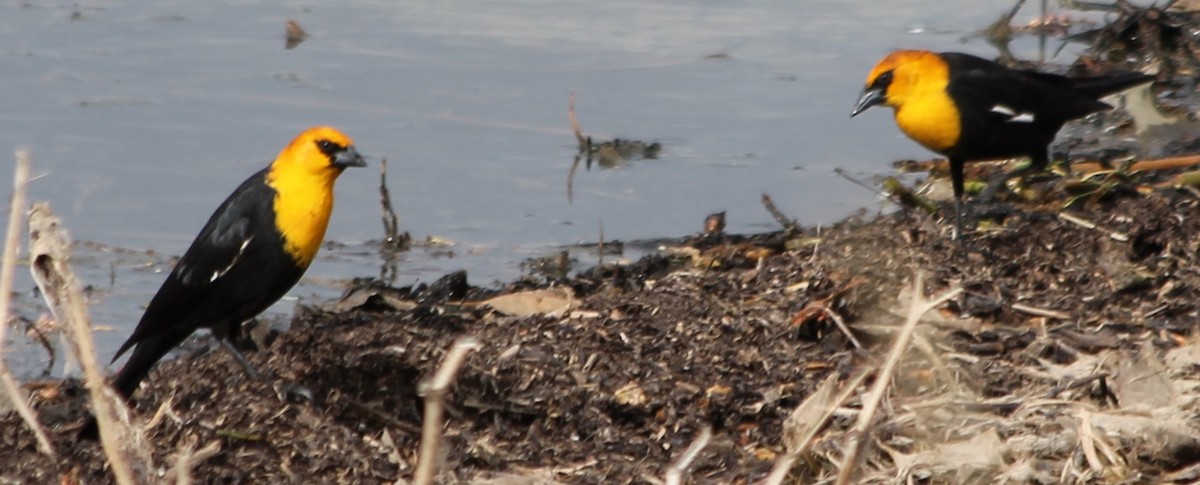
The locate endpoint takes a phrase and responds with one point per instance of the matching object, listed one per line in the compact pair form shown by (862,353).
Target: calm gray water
(142,116)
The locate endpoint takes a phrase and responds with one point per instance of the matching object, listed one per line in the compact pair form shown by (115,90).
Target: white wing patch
(236,258)
(1013,115)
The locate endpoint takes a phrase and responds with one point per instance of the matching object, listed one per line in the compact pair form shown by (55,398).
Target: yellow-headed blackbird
(253,249)
(968,108)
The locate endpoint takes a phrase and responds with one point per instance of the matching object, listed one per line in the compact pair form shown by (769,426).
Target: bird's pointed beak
(348,158)
(869,98)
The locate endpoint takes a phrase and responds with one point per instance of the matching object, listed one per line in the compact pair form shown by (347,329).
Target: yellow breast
(303,203)
(931,119)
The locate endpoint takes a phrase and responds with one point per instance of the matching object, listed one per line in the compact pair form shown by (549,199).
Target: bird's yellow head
(303,177)
(319,150)
(903,76)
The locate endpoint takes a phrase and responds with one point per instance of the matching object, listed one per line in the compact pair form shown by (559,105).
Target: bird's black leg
(251,372)
(286,391)
(956,177)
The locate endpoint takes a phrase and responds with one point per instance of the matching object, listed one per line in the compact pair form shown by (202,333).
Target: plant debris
(606,154)
(1040,363)
(294,35)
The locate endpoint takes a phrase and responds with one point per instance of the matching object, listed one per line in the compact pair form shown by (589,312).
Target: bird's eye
(883,80)
(327,147)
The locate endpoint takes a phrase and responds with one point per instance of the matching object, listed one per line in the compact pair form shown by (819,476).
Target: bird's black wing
(1006,96)
(997,94)
(232,235)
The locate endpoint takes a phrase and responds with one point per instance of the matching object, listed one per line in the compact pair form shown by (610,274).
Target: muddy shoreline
(732,332)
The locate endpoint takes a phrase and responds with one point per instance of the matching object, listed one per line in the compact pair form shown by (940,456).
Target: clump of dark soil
(1054,317)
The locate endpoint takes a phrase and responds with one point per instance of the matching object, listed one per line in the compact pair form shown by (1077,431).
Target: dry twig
(919,306)
(1086,224)
(575,121)
(784,465)
(17,209)
(583,147)
(189,458)
(675,472)
(392,239)
(1039,312)
(1142,165)
(49,256)
(788,225)
(434,393)
(841,325)
(600,246)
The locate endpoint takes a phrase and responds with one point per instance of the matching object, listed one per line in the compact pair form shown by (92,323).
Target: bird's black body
(978,86)
(234,270)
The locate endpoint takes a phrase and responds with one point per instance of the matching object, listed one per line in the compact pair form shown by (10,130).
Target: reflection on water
(142,116)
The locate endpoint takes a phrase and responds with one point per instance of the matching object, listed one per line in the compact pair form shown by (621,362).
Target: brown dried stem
(49,256)
(189,458)
(783,220)
(391,223)
(675,472)
(784,465)
(858,434)
(575,121)
(1142,165)
(583,147)
(15,217)
(434,393)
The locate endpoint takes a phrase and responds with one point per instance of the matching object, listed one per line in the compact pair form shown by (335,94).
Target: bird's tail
(145,355)
(1103,85)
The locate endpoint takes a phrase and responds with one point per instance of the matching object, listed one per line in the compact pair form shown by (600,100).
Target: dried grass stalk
(675,471)
(858,434)
(434,394)
(49,260)
(15,216)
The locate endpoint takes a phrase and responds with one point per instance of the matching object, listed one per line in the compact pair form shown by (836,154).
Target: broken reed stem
(15,218)
(49,260)
(841,325)
(583,147)
(189,458)
(434,394)
(575,121)
(858,434)
(846,175)
(675,471)
(783,466)
(787,224)
(1086,224)
(391,224)
(1142,165)
(571,179)
(1039,312)
(600,247)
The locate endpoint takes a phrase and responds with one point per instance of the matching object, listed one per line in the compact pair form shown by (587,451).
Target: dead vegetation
(1068,357)
(605,153)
